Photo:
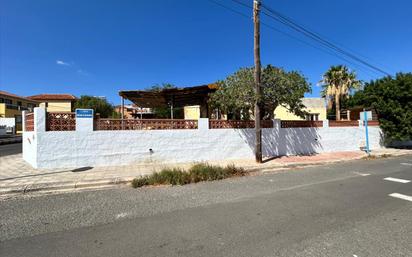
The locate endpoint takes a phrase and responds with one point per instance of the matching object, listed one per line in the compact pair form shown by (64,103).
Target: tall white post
(23,121)
(203,124)
(277,124)
(39,119)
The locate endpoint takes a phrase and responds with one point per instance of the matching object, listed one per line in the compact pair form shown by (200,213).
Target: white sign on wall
(84,119)
(368,115)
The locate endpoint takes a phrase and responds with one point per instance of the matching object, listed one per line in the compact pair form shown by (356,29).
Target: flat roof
(180,97)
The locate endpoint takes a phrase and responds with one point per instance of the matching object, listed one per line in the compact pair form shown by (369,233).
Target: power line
(285,20)
(312,35)
(325,50)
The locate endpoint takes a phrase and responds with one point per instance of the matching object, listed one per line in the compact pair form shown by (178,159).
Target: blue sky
(100,47)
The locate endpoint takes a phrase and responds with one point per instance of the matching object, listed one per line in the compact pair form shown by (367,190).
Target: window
(8,101)
(313,117)
(18,118)
(1,100)
(19,103)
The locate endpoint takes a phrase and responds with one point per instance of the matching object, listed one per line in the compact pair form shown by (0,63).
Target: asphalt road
(10,149)
(337,210)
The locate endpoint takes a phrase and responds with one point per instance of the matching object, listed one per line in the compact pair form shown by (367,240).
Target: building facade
(316,107)
(55,102)
(12,105)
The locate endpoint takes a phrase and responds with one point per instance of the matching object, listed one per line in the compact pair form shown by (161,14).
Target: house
(12,105)
(55,102)
(355,112)
(133,112)
(316,107)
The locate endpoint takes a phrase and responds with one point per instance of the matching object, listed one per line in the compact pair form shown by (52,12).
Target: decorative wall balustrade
(67,122)
(373,123)
(57,121)
(301,124)
(29,122)
(146,124)
(223,124)
(343,123)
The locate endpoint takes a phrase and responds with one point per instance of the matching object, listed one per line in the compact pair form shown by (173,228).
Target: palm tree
(337,83)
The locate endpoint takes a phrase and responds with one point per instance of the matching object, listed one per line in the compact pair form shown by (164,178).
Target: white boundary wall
(7,125)
(72,149)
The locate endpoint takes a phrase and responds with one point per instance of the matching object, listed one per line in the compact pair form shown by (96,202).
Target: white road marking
(406,163)
(362,174)
(355,255)
(121,215)
(404,181)
(401,196)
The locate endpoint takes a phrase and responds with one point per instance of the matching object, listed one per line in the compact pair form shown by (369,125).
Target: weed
(198,172)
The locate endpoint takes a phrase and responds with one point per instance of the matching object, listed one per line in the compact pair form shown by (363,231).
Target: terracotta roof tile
(52,97)
(16,96)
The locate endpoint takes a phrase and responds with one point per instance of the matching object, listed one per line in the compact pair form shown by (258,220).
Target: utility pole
(258,130)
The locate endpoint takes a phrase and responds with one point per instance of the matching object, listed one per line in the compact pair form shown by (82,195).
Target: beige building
(55,102)
(192,112)
(12,105)
(316,107)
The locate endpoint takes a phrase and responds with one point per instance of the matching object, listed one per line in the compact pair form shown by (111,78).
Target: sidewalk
(16,176)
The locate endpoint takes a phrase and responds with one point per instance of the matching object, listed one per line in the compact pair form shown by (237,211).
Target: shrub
(235,171)
(206,172)
(198,172)
(139,182)
(173,176)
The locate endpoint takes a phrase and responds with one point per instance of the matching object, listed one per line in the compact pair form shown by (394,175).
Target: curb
(65,186)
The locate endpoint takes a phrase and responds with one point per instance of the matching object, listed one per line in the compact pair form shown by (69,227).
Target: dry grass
(197,173)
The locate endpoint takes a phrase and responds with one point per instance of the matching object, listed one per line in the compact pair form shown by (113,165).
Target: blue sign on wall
(84,113)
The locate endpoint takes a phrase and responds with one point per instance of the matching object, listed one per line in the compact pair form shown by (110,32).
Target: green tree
(98,104)
(337,83)
(236,94)
(160,87)
(391,97)
(164,112)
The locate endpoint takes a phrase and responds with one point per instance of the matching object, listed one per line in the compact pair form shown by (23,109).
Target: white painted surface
(8,122)
(30,149)
(203,123)
(7,125)
(401,196)
(39,119)
(404,181)
(406,164)
(362,174)
(84,124)
(71,149)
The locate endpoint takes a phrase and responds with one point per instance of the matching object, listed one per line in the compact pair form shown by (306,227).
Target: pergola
(171,98)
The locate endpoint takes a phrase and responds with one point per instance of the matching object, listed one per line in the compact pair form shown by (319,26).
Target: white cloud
(59,62)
